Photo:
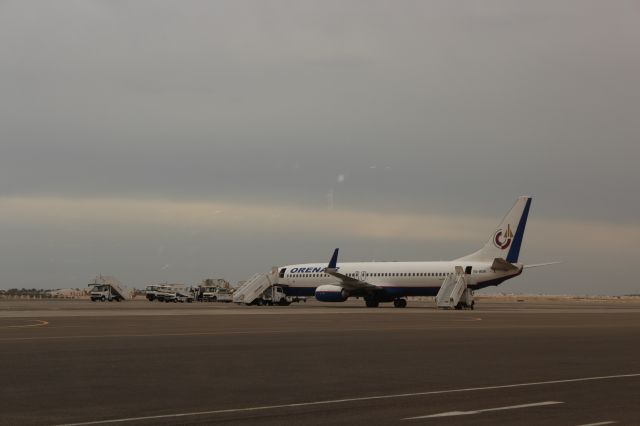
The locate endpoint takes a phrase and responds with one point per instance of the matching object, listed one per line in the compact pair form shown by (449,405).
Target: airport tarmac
(142,363)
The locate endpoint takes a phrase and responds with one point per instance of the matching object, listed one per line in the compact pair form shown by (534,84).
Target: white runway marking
(485,410)
(610,422)
(38,323)
(208,333)
(345,400)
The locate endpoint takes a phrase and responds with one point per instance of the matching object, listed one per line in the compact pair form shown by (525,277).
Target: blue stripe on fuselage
(391,293)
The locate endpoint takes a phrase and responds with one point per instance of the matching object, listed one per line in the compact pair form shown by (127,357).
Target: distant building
(68,293)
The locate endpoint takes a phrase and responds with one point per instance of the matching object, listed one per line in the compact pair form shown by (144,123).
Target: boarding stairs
(253,288)
(117,288)
(454,292)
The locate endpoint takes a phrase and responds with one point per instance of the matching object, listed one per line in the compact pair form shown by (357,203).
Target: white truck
(275,295)
(106,288)
(174,293)
(151,291)
(213,290)
(217,294)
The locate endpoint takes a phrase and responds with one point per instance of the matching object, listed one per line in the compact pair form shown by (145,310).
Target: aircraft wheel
(372,303)
(400,303)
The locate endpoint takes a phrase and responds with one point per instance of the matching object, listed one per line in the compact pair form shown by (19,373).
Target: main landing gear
(372,303)
(400,303)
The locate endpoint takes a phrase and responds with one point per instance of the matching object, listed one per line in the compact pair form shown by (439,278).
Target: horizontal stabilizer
(541,264)
(499,264)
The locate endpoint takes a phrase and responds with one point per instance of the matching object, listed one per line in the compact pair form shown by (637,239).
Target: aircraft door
(363,275)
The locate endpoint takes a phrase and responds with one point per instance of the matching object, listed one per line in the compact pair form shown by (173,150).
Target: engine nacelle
(331,293)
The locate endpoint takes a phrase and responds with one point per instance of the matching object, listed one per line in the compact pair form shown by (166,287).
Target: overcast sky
(173,141)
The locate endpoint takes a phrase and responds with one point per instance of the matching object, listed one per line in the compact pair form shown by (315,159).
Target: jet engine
(331,293)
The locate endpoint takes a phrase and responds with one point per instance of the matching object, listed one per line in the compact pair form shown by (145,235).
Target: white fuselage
(395,278)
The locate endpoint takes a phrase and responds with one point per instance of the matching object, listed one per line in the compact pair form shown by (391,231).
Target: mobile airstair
(253,288)
(106,287)
(454,293)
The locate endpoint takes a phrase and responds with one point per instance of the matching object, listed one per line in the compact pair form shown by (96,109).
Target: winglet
(334,260)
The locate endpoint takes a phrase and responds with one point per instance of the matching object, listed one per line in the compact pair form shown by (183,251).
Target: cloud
(240,216)
(204,215)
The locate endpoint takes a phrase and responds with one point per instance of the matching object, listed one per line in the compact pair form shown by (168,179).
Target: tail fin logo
(502,239)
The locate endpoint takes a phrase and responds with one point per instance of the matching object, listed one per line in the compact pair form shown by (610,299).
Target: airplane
(379,282)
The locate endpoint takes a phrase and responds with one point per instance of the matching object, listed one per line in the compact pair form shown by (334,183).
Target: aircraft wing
(346,282)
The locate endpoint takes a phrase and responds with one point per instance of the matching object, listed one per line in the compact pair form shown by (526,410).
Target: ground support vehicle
(275,295)
(177,297)
(217,294)
(174,293)
(107,288)
(151,292)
